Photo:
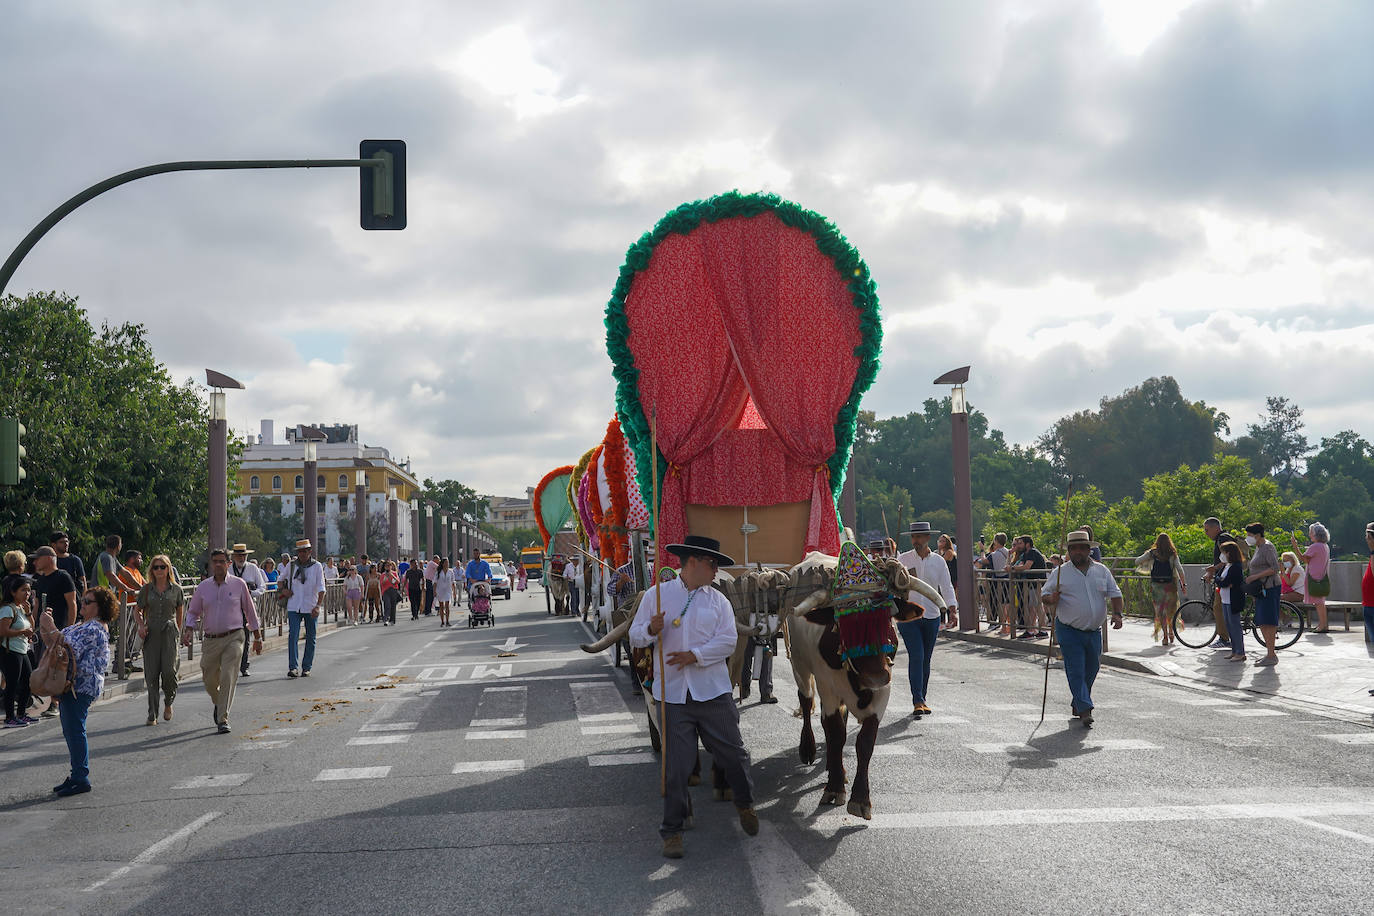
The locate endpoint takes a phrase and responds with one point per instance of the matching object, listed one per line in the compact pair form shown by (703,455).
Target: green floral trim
(683,220)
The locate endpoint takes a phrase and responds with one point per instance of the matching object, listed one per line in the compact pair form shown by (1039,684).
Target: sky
(1069,196)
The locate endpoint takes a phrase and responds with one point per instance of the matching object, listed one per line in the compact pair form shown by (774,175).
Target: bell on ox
(863,607)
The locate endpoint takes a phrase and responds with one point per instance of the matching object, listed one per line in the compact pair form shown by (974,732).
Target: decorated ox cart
(743,331)
(551,512)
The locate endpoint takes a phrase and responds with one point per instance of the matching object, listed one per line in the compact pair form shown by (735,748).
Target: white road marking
(1351,738)
(999,747)
(221,781)
(433,674)
(497,733)
(499,722)
(605,717)
(378,739)
(1339,831)
(1254,712)
(501,707)
(352,773)
(1022,817)
(786,885)
(154,850)
(481,671)
(488,766)
(402,688)
(615,760)
(390,727)
(507,689)
(267,745)
(609,729)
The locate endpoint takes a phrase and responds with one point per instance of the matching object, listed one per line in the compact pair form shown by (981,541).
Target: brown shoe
(749,820)
(923,709)
(672,846)
(167,712)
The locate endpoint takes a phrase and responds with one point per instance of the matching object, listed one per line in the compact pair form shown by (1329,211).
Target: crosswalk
(524,717)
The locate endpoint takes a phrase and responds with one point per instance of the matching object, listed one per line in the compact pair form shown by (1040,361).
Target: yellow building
(270,470)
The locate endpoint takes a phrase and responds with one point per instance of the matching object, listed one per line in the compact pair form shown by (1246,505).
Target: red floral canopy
(747,329)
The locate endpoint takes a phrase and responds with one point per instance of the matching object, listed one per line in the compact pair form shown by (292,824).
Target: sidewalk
(1334,670)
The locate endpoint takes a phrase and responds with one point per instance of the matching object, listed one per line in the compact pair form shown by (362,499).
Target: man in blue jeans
(303,579)
(919,634)
(1077,595)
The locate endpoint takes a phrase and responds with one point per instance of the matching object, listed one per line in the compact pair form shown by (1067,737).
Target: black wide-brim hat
(700,546)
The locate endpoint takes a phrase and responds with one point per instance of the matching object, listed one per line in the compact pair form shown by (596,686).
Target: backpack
(56,671)
(1161,571)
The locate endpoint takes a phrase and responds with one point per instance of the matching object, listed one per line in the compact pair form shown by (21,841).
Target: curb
(1030,648)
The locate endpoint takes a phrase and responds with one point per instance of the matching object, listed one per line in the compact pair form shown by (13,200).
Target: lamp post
(963,495)
(443,535)
(393,513)
(359,513)
(311,489)
(217,534)
(414,528)
(429,530)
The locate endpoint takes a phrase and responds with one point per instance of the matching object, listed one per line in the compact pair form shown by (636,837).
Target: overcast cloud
(1071,196)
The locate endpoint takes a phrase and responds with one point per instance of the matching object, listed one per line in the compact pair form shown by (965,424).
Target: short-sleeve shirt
(1318,559)
(90,643)
(72,565)
(18,644)
(160,607)
(477,570)
(107,570)
(51,592)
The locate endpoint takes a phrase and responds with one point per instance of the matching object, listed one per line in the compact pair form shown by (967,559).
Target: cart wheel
(654,740)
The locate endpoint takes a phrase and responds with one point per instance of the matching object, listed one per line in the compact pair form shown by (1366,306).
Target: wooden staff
(1058,577)
(887,534)
(591,556)
(658,600)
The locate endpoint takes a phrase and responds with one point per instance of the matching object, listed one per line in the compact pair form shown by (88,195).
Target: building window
(343,483)
(254,484)
(343,504)
(300,483)
(276,483)
(319,506)
(319,482)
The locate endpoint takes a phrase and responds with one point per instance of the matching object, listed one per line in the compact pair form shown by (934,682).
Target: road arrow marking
(510,645)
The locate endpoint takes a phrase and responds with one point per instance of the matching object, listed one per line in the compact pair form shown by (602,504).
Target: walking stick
(658,610)
(1058,577)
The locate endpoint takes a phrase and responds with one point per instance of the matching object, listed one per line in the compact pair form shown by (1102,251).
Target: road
(417,771)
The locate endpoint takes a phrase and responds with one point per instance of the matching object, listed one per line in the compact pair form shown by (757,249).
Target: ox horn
(811,602)
(925,588)
(610,639)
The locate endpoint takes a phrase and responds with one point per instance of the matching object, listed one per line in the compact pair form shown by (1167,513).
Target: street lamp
(963,494)
(443,534)
(359,512)
(393,509)
(218,530)
(429,529)
(414,550)
(310,436)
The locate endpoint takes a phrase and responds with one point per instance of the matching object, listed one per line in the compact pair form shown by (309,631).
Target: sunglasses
(88,601)
(159,566)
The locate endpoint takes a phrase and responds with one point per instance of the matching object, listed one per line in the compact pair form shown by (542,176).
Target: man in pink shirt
(224,606)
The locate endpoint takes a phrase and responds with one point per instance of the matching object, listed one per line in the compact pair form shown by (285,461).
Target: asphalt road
(416,771)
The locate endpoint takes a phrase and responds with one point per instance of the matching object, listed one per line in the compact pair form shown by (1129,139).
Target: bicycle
(1195,625)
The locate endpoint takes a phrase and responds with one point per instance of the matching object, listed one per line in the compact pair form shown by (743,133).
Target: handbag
(56,671)
(1319,588)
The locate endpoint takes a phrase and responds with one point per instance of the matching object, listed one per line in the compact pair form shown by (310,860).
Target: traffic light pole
(17,256)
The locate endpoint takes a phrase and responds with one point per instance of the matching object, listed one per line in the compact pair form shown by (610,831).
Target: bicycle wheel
(1194,624)
(1292,623)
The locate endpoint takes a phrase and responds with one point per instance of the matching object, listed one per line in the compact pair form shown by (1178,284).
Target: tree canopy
(114,445)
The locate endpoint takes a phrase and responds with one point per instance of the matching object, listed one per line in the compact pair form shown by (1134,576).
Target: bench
(1332,607)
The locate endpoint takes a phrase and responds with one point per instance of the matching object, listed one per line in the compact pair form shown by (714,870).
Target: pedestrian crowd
(60,631)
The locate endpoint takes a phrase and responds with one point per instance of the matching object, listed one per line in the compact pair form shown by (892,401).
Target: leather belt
(222,635)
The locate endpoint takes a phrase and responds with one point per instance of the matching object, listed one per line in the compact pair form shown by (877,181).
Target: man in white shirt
(256,580)
(919,635)
(697,626)
(1077,593)
(573,573)
(304,579)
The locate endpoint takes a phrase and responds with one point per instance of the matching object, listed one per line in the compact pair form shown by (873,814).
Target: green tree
(378,535)
(115,446)
(1142,431)
(454,498)
(263,528)
(1226,488)
(1276,446)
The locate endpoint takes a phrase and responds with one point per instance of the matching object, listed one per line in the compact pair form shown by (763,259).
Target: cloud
(1069,196)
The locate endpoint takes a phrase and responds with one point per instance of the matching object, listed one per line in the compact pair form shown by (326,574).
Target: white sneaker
(293,673)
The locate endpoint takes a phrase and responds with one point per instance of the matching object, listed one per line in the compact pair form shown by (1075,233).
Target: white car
(500,579)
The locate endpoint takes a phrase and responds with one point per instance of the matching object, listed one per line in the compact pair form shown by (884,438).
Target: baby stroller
(479,606)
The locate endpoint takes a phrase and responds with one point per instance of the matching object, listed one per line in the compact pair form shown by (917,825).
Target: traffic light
(382,190)
(12,451)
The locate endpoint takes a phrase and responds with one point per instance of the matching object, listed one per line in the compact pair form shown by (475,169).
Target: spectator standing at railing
(1161,564)
(90,644)
(16,632)
(243,567)
(331,570)
(69,563)
(270,573)
(54,591)
(219,605)
(999,593)
(110,574)
(1029,571)
(920,634)
(945,548)
(160,612)
(1318,582)
(303,581)
(1078,594)
(1264,570)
